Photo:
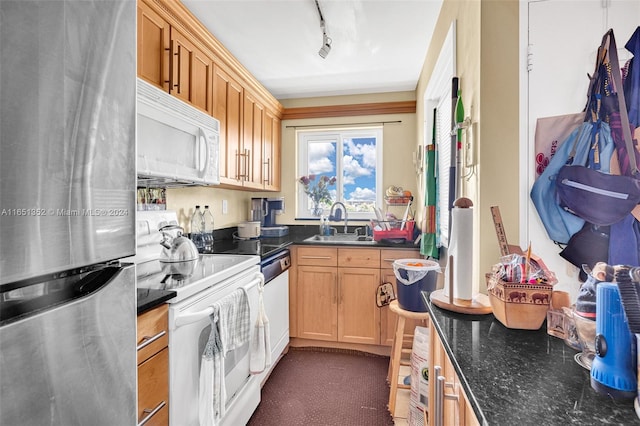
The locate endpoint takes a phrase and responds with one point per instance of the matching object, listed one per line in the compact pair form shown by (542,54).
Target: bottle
(207,221)
(197,229)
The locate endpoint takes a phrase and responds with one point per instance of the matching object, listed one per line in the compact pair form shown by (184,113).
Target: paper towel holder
(479,304)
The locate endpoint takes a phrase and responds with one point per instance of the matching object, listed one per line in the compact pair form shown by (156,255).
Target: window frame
(337,135)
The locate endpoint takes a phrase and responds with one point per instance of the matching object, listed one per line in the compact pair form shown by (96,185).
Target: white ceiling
(377,45)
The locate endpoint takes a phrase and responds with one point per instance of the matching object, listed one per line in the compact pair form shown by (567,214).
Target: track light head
(326,46)
(326,41)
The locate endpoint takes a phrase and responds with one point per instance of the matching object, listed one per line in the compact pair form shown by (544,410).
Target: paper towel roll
(461,248)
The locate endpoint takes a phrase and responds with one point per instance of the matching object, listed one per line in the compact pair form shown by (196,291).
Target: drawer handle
(316,257)
(146,340)
(150,413)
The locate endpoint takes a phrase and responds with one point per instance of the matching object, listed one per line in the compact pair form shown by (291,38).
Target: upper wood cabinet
(227,108)
(272,152)
(170,60)
(178,54)
(153,47)
(191,73)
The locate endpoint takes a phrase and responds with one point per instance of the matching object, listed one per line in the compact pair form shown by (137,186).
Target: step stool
(402,344)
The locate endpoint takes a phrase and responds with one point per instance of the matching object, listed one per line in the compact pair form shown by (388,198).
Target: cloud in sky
(365,150)
(320,155)
(353,169)
(362,194)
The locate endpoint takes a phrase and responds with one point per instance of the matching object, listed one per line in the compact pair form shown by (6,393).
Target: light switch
(225,207)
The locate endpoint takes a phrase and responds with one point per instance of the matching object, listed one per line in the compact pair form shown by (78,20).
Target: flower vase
(316,210)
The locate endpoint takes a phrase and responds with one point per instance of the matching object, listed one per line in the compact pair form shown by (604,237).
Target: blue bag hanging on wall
(559,223)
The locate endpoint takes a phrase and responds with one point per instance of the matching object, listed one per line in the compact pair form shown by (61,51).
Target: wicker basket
(519,306)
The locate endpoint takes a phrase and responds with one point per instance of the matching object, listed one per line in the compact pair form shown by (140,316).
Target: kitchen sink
(341,239)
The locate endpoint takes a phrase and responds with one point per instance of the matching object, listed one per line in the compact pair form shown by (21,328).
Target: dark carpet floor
(319,387)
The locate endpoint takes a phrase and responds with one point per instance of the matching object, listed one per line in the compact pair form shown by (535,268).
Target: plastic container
(197,229)
(412,277)
(208,224)
(393,230)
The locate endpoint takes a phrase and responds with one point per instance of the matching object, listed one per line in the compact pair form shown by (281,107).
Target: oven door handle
(185,319)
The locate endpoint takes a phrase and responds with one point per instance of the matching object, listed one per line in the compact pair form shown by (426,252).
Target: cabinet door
(271,152)
(153,47)
(192,72)
(253,128)
(387,318)
(227,109)
(317,303)
(153,332)
(358,314)
(153,389)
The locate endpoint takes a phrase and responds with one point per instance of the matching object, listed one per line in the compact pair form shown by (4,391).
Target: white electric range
(199,284)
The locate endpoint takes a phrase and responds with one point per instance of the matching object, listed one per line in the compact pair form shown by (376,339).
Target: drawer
(153,389)
(317,256)
(388,256)
(153,329)
(359,258)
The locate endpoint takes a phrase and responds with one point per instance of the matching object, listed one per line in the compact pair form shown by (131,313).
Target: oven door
(190,326)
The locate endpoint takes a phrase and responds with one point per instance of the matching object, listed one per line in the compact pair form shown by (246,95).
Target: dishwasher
(275,269)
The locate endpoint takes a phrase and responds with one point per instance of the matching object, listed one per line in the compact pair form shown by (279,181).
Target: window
(437,96)
(354,157)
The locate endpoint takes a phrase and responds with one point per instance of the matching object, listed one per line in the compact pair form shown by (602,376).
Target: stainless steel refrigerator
(67,212)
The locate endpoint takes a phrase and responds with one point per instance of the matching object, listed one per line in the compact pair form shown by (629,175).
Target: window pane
(321,161)
(359,173)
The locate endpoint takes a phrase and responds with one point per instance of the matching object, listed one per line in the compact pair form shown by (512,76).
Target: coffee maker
(265,211)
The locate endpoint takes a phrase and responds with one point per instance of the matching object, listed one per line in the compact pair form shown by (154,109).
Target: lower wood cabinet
(153,367)
(456,409)
(153,390)
(333,294)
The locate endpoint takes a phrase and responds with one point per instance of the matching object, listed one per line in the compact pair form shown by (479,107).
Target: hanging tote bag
(560,223)
(594,195)
(589,145)
(550,132)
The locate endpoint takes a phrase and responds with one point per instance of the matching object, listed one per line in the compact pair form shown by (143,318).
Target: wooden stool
(400,340)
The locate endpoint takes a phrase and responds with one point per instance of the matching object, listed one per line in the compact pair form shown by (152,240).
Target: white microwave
(177,144)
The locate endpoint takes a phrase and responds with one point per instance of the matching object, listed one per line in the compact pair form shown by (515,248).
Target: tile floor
(402,402)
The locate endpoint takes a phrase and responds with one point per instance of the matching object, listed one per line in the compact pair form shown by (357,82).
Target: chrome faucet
(336,217)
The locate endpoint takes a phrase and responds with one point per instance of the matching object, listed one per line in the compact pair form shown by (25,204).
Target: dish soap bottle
(207,220)
(197,229)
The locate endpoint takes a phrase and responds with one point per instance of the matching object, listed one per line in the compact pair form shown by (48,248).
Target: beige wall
(399,144)
(487,66)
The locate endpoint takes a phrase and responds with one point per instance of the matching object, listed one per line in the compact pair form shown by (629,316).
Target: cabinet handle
(150,413)
(440,416)
(147,340)
(179,67)
(247,162)
(268,174)
(168,50)
(315,257)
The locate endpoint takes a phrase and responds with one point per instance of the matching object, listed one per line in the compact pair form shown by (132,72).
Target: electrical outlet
(225,207)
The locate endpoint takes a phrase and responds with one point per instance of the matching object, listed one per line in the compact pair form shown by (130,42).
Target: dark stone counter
(150,298)
(522,377)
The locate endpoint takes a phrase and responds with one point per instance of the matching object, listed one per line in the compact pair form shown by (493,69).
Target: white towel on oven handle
(229,330)
(260,356)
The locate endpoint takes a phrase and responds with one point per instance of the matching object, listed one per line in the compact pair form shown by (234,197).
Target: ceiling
(377,45)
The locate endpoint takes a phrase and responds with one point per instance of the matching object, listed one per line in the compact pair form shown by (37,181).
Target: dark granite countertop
(522,377)
(264,247)
(150,298)
(224,242)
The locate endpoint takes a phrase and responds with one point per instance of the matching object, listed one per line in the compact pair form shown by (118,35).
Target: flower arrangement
(318,192)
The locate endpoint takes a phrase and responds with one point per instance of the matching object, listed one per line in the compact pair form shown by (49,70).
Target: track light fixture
(326,41)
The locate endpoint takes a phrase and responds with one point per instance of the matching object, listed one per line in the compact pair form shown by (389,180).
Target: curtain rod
(344,124)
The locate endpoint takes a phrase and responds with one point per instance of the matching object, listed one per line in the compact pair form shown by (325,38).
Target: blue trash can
(411,279)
